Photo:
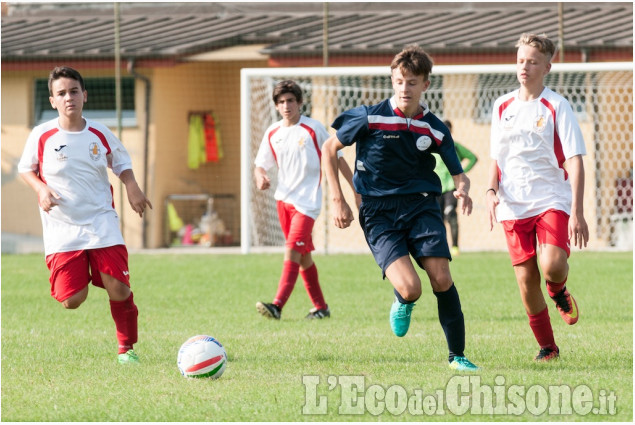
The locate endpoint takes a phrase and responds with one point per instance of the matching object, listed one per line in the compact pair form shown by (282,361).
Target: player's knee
(76,300)
(410,288)
(449,212)
(72,303)
(441,284)
(556,274)
(555,269)
(411,293)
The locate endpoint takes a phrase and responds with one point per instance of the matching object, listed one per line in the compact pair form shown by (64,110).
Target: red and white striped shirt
(531,140)
(296,150)
(75,165)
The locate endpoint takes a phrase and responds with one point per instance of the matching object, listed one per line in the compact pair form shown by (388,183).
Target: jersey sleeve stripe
(557,144)
(504,106)
(317,147)
(102,138)
(273,151)
(40,150)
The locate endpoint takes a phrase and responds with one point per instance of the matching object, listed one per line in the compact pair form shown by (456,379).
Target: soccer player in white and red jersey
(66,162)
(536,187)
(294,145)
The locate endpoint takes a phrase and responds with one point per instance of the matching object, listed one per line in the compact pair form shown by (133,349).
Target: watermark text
(462,394)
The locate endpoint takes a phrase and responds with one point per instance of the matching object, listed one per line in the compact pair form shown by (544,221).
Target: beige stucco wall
(175,91)
(197,86)
(19,203)
(215,86)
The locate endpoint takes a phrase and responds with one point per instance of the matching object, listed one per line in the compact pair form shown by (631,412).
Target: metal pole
(561,30)
(325,35)
(146,141)
(325,63)
(118,102)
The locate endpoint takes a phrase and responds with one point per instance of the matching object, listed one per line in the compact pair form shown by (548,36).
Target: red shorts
(296,227)
(72,271)
(550,227)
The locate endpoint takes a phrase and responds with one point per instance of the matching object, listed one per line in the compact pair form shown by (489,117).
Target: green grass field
(60,365)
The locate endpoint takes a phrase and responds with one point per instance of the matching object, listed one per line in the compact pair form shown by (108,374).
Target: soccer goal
(601,95)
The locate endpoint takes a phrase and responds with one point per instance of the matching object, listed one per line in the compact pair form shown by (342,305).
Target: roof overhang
(234,53)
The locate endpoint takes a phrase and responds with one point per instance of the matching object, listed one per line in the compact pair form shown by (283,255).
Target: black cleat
(314,313)
(271,311)
(547,354)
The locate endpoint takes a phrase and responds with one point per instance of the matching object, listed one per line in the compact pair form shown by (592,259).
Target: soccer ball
(202,356)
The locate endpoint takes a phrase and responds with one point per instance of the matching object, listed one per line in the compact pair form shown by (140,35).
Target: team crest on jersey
(540,122)
(423,143)
(301,142)
(94,150)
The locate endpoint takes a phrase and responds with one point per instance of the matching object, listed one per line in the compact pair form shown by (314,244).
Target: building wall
(215,86)
(20,213)
(177,91)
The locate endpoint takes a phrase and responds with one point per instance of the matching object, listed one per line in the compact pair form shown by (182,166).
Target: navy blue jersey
(394,153)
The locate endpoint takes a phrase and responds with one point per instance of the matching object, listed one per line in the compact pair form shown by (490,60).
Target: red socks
(125,315)
(312,286)
(555,288)
(290,271)
(541,326)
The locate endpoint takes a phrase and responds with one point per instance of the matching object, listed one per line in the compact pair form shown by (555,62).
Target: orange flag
(211,143)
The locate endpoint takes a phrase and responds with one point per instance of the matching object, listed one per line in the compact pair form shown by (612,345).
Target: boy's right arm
(46,197)
(348,175)
(491,196)
(262,179)
(342,214)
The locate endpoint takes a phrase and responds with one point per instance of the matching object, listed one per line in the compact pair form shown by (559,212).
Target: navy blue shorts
(398,225)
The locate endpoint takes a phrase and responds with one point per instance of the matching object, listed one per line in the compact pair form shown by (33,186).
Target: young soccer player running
(447,201)
(537,187)
(294,145)
(65,161)
(399,213)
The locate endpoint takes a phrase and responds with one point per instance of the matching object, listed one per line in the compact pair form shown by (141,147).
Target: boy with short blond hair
(536,187)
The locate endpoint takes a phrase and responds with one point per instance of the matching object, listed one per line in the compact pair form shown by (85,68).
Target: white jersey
(297,151)
(75,165)
(531,140)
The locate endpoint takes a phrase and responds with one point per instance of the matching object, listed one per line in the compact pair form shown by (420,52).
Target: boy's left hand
(138,200)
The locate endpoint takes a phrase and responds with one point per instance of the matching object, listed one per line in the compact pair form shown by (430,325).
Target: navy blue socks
(451,318)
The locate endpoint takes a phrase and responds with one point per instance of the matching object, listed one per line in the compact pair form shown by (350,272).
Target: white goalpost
(601,95)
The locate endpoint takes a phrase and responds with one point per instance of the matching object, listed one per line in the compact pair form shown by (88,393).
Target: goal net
(601,95)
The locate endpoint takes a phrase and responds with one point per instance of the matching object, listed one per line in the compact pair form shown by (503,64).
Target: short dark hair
(448,124)
(64,72)
(287,86)
(414,59)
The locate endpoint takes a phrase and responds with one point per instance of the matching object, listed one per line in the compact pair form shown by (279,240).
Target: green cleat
(400,317)
(463,364)
(129,357)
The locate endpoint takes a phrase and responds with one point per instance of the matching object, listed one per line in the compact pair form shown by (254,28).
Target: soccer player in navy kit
(394,173)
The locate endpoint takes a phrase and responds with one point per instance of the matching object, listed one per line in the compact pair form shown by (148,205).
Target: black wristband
(492,189)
